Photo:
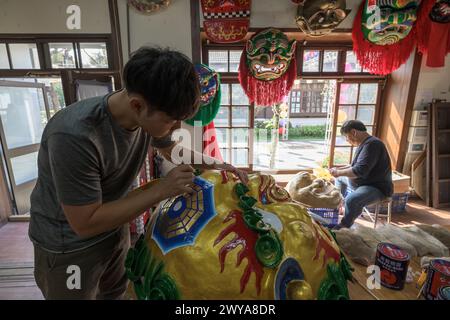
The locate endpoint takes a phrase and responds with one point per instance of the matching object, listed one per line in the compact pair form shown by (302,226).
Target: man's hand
(178,181)
(242,175)
(334,172)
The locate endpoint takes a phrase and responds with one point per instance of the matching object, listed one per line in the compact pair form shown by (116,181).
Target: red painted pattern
(330,252)
(247,239)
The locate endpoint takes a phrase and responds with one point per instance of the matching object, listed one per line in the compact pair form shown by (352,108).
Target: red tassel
(266,93)
(377,59)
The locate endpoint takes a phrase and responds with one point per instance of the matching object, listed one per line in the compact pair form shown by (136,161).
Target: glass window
(311,61)
(340,139)
(225,94)
(218,60)
(235,57)
(330,61)
(223,138)
(351,64)
(62,55)
(240,116)
(4,62)
(240,138)
(24,56)
(25,168)
(342,155)
(238,96)
(366,114)
(224,152)
(368,93)
(349,93)
(347,112)
(94,55)
(22,112)
(222,119)
(240,157)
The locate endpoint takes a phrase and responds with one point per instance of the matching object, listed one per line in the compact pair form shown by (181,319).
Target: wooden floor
(16,252)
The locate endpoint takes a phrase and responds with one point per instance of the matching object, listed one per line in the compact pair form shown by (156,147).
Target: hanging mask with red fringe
(226,21)
(384,34)
(267,69)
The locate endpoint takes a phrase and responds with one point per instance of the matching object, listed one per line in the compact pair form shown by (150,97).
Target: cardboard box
(401,182)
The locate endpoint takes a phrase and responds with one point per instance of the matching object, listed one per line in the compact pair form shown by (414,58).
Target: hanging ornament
(267,69)
(210,96)
(434,36)
(384,34)
(226,21)
(148,6)
(320,17)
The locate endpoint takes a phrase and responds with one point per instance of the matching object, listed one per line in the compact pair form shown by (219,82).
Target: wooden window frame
(339,76)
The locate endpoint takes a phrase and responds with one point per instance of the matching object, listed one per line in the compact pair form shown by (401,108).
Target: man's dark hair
(353,124)
(166,79)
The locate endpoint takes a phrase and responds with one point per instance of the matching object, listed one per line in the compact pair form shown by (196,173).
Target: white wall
(282,13)
(434,83)
(49,16)
(170,27)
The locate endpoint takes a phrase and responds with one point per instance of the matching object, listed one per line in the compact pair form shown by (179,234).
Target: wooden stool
(378,204)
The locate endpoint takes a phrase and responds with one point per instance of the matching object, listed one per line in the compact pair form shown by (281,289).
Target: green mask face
(386,22)
(269,54)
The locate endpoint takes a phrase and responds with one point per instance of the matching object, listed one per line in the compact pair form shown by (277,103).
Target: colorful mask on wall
(226,21)
(317,18)
(268,67)
(385,22)
(230,241)
(210,96)
(441,12)
(148,6)
(384,34)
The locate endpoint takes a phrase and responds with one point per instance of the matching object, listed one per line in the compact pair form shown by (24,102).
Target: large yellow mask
(229,241)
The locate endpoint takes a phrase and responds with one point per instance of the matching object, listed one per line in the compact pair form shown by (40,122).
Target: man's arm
(93,219)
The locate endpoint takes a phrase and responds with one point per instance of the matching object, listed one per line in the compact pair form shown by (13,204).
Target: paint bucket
(393,262)
(438,276)
(444,293)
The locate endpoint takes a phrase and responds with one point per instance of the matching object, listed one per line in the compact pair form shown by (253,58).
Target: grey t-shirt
(85,157)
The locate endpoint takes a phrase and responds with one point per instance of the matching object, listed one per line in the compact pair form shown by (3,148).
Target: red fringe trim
(266,93)
(377,59)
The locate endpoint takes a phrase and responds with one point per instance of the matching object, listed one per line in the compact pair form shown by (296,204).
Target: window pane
(368,93)
(223,137)
(240,138)
(218,60)
(369,129)
(225,154)
(25,168)
(342,155)
(235,57)
(366,114)
(240,157)
(94,55)
(330,61)
(238,97)
(351,64)
(346,113)
(22,112)
(340,139)
(222,119)
(225,94)
(62,55)
(311,61)
(4,63)
(349,93)
(24,56)
(240,116)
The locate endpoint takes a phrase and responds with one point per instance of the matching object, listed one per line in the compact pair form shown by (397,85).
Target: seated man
(369,176)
